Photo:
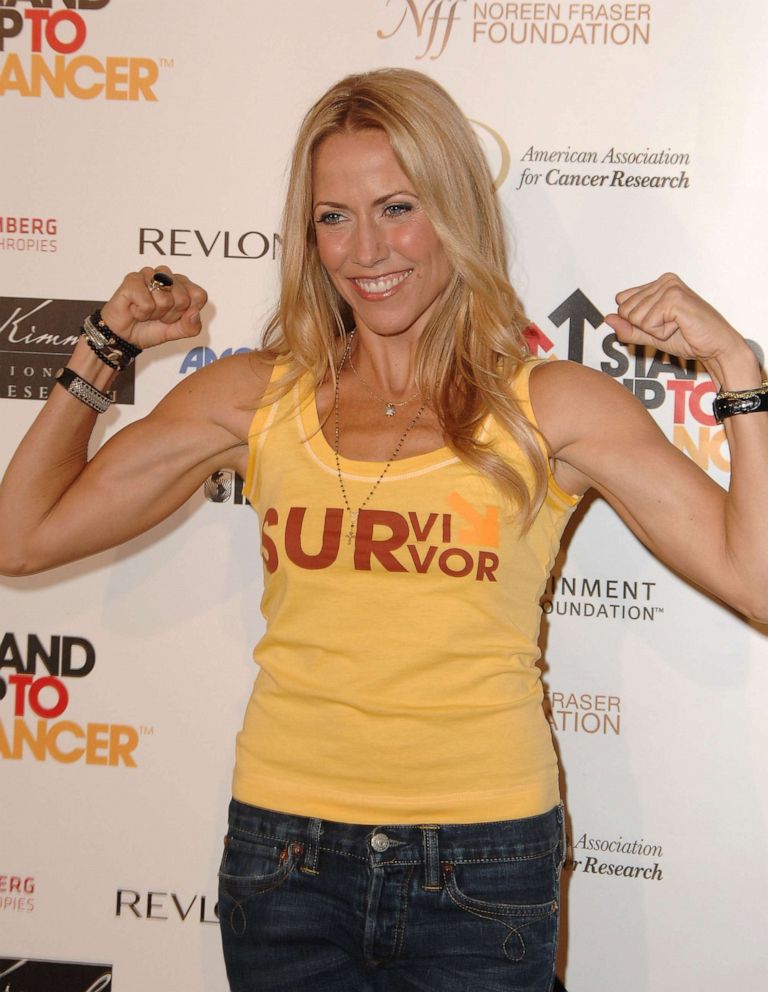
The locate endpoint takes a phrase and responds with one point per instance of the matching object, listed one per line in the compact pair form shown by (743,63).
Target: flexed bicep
(56,506)
(611,442)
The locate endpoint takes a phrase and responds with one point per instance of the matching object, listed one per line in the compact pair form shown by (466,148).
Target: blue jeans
(312,905)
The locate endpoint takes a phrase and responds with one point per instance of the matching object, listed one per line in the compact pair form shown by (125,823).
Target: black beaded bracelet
(106,356)
(113,350)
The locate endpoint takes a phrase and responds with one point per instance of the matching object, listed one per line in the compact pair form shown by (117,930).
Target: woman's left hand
(666,314)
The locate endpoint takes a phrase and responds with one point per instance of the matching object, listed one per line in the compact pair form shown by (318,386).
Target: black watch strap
(731,403)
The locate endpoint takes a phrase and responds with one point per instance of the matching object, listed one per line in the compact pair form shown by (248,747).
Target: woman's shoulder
(224,393)
(243,376)
(547,375)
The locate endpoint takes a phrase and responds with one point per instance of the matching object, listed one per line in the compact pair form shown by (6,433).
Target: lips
(382,286)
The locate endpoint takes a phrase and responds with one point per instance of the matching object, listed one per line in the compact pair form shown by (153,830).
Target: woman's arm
(601,436)
(56,506)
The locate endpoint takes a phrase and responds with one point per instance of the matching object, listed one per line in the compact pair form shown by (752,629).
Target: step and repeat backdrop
(627,139)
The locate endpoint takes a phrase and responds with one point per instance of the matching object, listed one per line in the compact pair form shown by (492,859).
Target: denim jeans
(312,905)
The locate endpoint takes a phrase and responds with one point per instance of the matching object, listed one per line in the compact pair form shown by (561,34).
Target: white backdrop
(142,126)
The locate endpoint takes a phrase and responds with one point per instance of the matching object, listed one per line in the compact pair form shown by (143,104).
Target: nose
(369,247)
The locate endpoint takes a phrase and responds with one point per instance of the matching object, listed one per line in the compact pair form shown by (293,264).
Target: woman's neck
(387,364)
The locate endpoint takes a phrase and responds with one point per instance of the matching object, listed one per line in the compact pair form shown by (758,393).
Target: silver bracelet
(82,390)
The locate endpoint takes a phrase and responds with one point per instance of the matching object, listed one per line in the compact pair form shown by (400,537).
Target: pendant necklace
(390,407)
(353,514)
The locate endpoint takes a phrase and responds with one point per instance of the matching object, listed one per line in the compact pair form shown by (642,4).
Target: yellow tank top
(398,679)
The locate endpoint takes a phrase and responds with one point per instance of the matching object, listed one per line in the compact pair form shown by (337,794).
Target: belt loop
(314,829)
(431,858)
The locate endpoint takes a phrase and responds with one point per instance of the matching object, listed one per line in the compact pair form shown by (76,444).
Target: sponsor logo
(36,339)
(586,713)
(600,598)
(496,152)
(198,357)
(567,24)
(576,168)
(27,975)
(37,702)
(16,893)
(53,58)
(680,392)
(580,857)
(155,905)
(433,24)
(225,486)
(29,234)
(185,242)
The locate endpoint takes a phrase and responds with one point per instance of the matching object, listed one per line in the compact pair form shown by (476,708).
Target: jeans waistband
(402,844)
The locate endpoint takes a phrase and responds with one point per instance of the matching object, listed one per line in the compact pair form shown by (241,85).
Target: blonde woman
(396,822)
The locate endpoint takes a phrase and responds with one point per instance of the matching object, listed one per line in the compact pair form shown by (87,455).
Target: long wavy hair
(473,345)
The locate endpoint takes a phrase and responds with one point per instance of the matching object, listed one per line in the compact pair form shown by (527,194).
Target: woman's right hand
(148,317)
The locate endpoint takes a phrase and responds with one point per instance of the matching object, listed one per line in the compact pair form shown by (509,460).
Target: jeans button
(380,842)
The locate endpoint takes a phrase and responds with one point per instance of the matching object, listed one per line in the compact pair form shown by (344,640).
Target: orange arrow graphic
(483,527)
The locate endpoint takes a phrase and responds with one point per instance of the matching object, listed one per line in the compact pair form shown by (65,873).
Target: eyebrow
(376,203)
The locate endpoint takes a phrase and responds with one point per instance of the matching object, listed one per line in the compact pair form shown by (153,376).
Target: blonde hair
(473,345)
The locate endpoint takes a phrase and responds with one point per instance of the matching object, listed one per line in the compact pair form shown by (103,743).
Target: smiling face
(374,239)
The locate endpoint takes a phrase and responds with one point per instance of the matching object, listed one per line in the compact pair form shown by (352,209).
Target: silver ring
(160,281)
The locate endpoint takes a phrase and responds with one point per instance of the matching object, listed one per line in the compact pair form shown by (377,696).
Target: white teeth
(382,285)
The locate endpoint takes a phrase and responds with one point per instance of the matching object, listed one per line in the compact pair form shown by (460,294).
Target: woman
(396,822)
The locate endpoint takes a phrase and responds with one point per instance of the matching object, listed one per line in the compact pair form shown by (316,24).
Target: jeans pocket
(521,895)
(250,868)
(251,865)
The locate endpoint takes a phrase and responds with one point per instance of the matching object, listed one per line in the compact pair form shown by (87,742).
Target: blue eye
(397,209)
(329,217)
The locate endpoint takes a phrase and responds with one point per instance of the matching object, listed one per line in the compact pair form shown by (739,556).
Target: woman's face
(374,239)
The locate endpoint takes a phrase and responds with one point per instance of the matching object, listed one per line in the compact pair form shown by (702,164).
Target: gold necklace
(390,407)
(337,435)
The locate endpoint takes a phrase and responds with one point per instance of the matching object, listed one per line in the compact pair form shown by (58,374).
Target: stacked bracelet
(82,390)
(113,350)
(730,402)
